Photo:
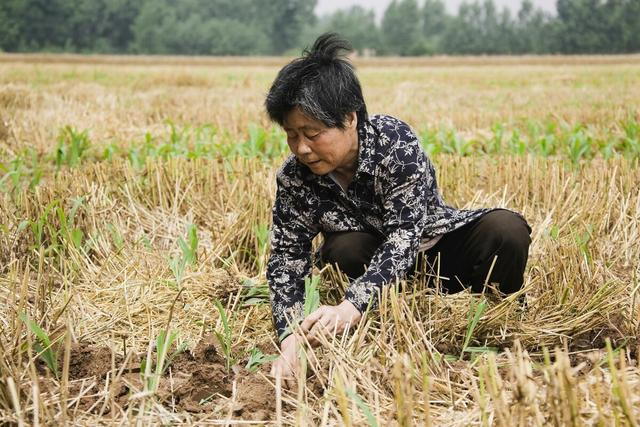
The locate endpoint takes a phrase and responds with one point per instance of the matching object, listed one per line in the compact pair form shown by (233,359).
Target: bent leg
(498,242)
(350,250)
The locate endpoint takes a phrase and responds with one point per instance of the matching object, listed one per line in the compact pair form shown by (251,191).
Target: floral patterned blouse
(393,193)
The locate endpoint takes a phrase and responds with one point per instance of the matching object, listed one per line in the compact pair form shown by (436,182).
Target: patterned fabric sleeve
(405,180)
(290,259)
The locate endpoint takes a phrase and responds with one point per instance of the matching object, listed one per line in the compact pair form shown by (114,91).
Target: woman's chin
(318,168)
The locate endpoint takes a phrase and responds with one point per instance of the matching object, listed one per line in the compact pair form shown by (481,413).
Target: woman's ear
(352,120)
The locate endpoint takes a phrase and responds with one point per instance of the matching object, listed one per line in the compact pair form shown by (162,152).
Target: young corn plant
(257,358)
(152,370)
(312,295)
(254,293)
(68,231)
(151,373)
(578,145)
(362,405)
(261,231)
(43,345)
(475,313)
(311,300)
(71,148)
(224,337)
(188,255)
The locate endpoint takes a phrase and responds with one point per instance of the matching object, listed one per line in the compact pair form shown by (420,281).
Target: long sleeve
(290,259)
(405,179)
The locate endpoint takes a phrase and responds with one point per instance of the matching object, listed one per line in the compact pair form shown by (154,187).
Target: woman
(366,184)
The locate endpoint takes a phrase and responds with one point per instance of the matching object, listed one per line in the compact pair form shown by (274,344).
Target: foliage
(43,345)
(251,27)
(152,372)
(225,337)
(257,358)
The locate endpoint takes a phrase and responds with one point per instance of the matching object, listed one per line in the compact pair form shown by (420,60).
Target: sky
(326,6)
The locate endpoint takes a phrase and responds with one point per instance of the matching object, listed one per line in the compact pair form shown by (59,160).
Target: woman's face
(320,148)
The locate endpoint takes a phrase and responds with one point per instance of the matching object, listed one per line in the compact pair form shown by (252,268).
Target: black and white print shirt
(393,193)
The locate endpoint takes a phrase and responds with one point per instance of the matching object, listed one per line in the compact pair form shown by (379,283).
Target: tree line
(275,27)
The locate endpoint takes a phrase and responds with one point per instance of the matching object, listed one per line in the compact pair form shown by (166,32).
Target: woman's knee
(508,238)
(506,232)
(350,251)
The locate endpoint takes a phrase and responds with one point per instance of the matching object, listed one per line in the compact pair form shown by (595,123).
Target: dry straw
(568,357)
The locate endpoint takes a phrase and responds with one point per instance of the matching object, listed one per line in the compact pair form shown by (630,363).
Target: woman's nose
(303,146)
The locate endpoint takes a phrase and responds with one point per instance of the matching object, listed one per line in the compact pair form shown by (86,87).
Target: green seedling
(152,372)
(582,240)
(188,255)
(224,338)
(68,232)
(619,388)
(311,295)
(116,236)
(578,145)
(257,358)
(254,293)
(362,405)
(26,166)
(475,313)
(164,342)
(190,246)
(71,148)
(452,143)
(261,231)
(311,300)
(494,145)
(38,226)
(43,345)
(517,144)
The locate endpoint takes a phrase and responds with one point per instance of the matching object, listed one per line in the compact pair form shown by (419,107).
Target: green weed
(43,345)
(254,293)
(475,313)
(72,146)
(362,405)
(257,358)
(312,295)
(224,337)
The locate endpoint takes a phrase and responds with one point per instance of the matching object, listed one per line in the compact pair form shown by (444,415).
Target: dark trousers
(498,242)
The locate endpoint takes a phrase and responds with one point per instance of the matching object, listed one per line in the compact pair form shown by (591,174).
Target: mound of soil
(196,381)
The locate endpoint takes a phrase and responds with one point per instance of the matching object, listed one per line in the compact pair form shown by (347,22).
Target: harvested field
(134,212)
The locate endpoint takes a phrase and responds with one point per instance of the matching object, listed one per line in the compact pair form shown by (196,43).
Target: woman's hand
(288,364)
(328,318)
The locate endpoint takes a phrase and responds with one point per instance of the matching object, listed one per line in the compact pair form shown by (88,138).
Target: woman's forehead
(295,118)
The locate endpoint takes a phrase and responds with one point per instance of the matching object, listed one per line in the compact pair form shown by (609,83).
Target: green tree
(285,21)
(589,26)
(356,24)
(35,25)
(434,23)
(462,35)
(10,27)
(401,29)
(630,26)
(533,30)
(103,25)
(195,27)
(480,29)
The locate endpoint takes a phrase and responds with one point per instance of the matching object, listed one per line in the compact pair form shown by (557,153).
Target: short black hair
(322,83)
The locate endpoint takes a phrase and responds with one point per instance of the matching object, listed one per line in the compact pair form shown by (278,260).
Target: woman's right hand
(288,364)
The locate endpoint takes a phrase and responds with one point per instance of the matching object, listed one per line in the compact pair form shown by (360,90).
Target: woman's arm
(405,177)
(290,259)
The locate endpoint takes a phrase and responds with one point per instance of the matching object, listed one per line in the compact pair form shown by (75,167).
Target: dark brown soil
(196,381)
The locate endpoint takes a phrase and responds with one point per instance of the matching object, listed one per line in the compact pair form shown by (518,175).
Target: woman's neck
(344,173)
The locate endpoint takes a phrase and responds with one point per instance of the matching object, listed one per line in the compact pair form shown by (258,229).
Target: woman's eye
(314,136)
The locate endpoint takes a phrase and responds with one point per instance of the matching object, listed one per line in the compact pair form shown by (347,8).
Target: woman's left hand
(325,319)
